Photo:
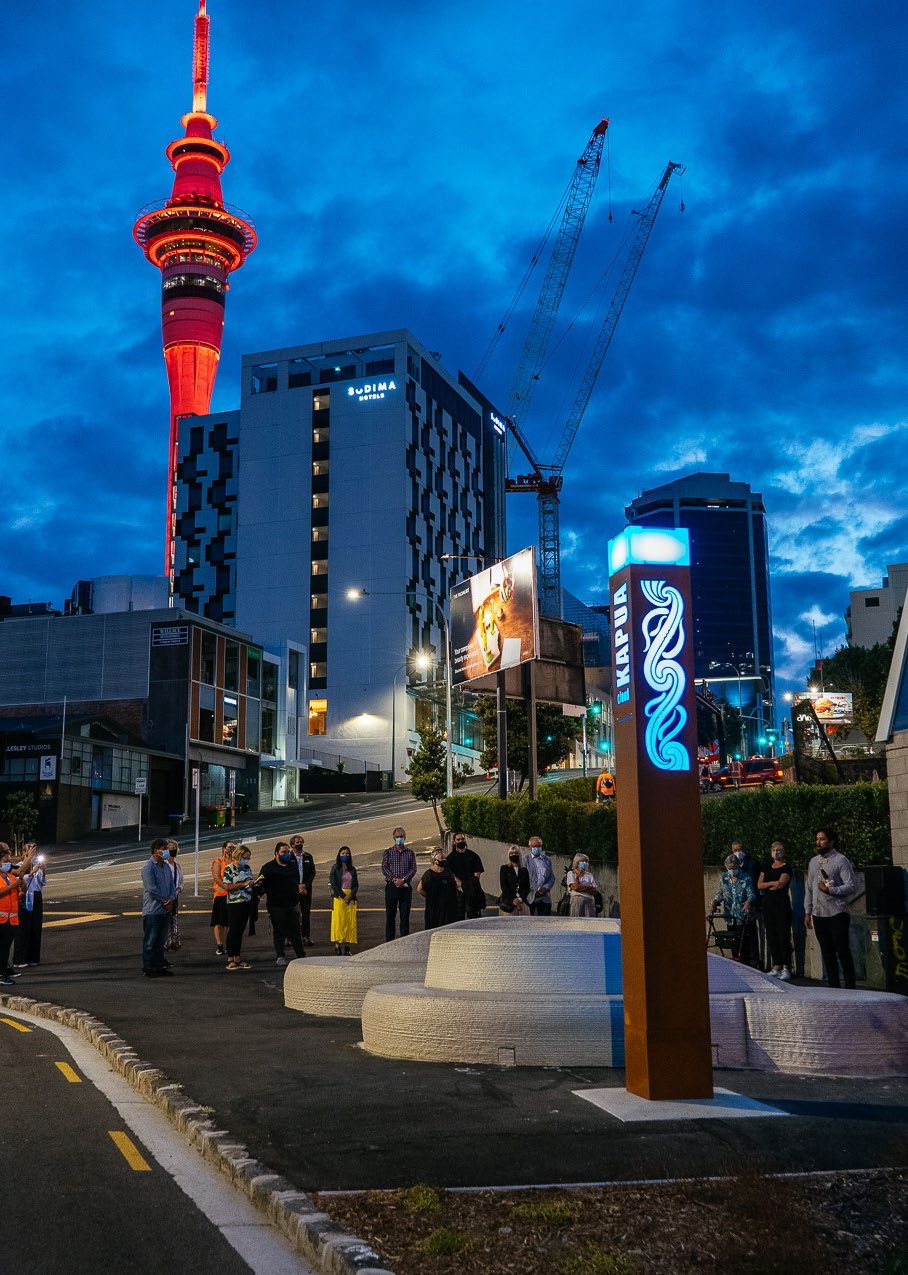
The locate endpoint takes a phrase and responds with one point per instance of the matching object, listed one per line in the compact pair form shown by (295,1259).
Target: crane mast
(577,202)
(547,480)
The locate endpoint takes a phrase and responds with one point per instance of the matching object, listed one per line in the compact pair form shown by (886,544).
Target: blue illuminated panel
(649,546)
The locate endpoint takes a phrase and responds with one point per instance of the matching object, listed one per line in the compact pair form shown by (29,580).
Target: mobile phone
(824,874)
(39,858)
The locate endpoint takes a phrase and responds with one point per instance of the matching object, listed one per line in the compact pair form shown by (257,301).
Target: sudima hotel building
(353,464)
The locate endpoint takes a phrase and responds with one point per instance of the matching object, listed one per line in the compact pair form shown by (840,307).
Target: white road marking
(258,1243)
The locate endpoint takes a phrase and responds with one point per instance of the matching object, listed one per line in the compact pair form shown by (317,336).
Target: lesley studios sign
(651,633)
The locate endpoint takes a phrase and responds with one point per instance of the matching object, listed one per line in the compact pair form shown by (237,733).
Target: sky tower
(196,241)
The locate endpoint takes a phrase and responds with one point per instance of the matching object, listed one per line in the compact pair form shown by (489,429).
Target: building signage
(831,706)
(48,767)
(170,635)
(141,786)
(371,390)
(495,618)
(498,424)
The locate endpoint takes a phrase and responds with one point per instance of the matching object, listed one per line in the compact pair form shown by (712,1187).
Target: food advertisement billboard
(495,618)
(832,706)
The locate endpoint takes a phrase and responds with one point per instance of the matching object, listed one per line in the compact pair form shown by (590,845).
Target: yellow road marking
(82,919)
(130,1152)
(68,1072)
(18,1027)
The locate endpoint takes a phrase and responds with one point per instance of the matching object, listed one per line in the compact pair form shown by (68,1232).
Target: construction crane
(577,202)
(547,480)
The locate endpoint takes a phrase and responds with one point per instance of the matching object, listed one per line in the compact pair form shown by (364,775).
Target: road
(113,1187)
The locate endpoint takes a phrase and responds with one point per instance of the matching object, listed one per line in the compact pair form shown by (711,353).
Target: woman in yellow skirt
(344,886)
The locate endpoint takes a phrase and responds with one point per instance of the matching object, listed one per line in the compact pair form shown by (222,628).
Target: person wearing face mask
(773,885)
(398,867)
(468,869)
(344,883)
(581,886)
(238,881)
(31,907)
(514,880)
(737,897)
(305,870)
(279,881)
(439,889)
(10,889)
(752,866)
(158,897)
(542,879)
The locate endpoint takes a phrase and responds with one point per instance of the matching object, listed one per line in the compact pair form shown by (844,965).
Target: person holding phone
(10,889)
(831,883)
(33,877)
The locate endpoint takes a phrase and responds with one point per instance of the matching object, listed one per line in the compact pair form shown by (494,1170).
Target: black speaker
(885,890)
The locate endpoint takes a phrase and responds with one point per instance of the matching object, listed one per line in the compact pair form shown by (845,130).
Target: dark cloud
(400,162)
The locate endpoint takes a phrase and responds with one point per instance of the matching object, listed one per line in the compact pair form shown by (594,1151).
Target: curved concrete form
(547,992)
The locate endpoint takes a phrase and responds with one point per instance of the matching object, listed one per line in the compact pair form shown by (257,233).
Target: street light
(353,595)
(420,660)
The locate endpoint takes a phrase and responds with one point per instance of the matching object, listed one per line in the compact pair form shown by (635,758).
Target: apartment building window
(253,674)
(298,373)
(230,728)
(318,717)
(231,666)
(209,658)
(269,717)
(264,378)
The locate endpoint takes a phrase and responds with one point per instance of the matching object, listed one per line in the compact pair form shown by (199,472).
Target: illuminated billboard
(495,619)
(831,706)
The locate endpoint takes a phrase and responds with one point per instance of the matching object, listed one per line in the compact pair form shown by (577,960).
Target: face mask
(400,841)
(583,865)
(778,854)
(535,851)
(297,849)
(345,858)
(732,872)
(460,845)
(5,866)
(285,858)
(165,853)
(515,858)
(440,863)
(739,855)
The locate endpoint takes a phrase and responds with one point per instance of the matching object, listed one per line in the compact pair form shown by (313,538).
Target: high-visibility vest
(218,891)
(605,785)
(9,902)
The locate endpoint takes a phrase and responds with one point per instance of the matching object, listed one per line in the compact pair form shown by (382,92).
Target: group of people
(754,896)
(21,910)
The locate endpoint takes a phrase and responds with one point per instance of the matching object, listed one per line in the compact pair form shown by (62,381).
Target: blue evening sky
(400,160)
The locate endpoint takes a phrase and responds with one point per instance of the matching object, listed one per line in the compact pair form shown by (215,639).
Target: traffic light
(596,708)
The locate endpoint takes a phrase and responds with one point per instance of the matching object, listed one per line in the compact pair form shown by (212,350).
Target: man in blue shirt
(158,895)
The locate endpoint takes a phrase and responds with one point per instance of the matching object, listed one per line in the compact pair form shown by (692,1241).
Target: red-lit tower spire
(195,240)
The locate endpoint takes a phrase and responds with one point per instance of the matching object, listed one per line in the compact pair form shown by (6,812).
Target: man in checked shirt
(398,867)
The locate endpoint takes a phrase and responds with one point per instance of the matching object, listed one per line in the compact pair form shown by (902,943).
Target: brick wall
(897,763)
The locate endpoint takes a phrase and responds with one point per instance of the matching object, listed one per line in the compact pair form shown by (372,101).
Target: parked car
(762,772)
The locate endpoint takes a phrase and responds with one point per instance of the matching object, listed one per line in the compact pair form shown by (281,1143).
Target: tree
(555,735)
(21,814)
(428,771)
(732,723)
(861,671)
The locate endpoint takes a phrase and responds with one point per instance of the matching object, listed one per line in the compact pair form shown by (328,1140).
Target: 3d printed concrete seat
(547,992)
(334,986)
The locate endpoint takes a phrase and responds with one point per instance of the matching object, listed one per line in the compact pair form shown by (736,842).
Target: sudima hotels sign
(371,390)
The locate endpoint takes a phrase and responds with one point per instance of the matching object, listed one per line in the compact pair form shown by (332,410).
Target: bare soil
(749,1225)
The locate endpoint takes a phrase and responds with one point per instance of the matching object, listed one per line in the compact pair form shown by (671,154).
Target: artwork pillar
(660,859)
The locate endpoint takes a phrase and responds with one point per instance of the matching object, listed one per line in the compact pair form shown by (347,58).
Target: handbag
(564,905)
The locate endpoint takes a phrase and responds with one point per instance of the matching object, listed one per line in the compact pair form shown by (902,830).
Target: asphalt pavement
(308,1101)
(85,1192)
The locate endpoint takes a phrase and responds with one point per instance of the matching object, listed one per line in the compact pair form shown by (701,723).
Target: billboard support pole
(529,693)
(502,721)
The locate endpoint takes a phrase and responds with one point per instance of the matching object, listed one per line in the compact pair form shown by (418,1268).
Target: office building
(732,622)
(351,465)
(872,613)
(91,703)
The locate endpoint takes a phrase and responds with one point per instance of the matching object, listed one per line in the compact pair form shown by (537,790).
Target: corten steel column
(666,998)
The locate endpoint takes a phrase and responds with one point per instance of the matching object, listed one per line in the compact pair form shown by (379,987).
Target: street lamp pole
(353,595)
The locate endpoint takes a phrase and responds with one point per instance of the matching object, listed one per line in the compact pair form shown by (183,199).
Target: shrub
(444,1242)
(594,1260)
(546,1213)
(577,789)
(422,1199)
(791,813)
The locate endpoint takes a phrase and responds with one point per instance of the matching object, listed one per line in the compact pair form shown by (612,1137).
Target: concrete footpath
(306,1100)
